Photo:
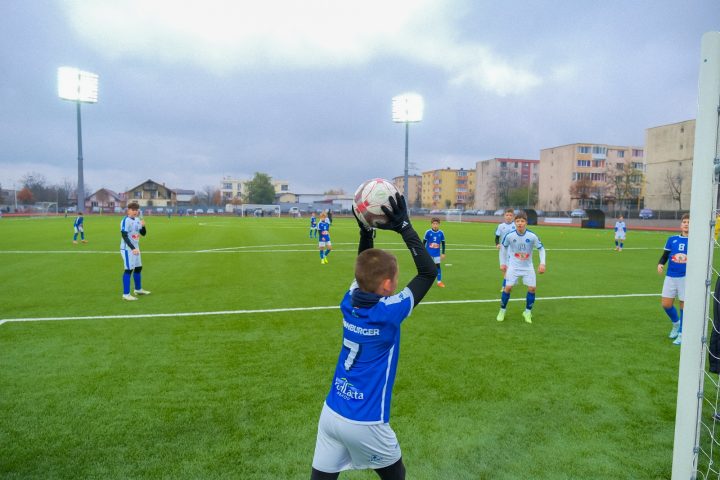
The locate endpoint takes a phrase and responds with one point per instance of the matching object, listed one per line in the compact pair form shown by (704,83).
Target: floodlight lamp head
(77,85)
(407,107)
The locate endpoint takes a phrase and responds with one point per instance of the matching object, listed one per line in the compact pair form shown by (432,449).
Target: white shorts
(436,260)
(322,244)
(342,445)
(674,287)
(527,275)
(129,260)
(619,236)
(79,229)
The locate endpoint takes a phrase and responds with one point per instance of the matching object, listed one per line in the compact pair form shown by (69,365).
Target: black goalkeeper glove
(397,214)
(364,229)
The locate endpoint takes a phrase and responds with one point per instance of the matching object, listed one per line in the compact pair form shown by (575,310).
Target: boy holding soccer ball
(131,228)
(353,431)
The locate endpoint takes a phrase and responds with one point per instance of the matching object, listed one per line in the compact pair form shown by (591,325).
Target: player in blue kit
(354,430)
(503,229)
(676,248)
(620,231)
(324,243)
(516,262)
(313,226)
(434,241)
(131,228)
(79,227)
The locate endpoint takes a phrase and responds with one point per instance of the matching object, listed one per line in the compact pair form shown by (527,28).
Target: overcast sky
(191,91)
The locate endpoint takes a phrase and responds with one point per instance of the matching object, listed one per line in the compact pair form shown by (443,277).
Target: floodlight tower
(407,108)
(80,87)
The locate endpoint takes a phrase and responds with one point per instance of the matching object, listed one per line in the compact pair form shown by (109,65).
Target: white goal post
(453,215)
(689,424)
(259,210)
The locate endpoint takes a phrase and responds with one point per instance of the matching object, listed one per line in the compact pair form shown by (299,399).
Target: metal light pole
(80,87)
(407,108)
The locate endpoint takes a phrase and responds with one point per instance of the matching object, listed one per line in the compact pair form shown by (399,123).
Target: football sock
(621,245)
(138,283)
(504,298)
(322,254)
(82,235)
(439,272)
(126,283)
(327,252)
(529,300)
(616,243)
(672,313)
(74,237)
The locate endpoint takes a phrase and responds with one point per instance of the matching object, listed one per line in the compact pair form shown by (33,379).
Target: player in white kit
(516,250)
(620,232)
(503,229)
(131,228)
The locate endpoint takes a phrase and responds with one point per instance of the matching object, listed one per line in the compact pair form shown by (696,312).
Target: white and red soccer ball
(369,197)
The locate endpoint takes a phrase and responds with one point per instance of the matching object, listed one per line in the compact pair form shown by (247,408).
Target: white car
(578,212)
(211,211)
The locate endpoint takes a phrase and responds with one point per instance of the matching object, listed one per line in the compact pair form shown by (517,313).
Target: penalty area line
(304,309)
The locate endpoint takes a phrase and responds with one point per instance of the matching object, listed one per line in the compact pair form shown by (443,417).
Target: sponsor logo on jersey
(134,236)
(679,258)
(434,245)
(522,255)
(347,390)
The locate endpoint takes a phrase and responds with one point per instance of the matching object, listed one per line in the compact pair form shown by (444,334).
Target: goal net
(258,210)
(454,215)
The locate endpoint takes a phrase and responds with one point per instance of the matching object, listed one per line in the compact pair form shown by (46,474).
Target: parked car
(199,210)
(435,212)
(646,213)
(211,211)
(578,212)
(499,212)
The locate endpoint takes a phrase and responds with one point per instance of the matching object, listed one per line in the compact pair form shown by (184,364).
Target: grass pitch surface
(222,371)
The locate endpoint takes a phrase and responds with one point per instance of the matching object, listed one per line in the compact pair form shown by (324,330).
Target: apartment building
(669,156)
(448,188)
(413,196)
(235,188)
(590,175)
(495,177)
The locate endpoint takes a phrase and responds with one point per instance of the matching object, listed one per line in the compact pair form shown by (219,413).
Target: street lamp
(80,87)
(407,108)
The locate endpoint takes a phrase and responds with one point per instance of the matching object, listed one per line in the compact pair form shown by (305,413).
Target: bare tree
(581,189)
(675,185)
(503,182)
(625,183)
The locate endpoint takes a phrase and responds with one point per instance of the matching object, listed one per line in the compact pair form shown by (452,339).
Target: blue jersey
(677,246)
(324,228)
(132,226)
(313,222)
(365,373)
(433,242)
(78,222)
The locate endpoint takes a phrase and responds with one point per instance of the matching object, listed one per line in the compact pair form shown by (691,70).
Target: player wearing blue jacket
(434,241)
(353,431)
(676,249)
(79,227)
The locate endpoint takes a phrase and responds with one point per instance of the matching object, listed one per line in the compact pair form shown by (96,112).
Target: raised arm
(399,222)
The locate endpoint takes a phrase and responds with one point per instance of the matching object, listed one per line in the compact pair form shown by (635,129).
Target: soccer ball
(369,197)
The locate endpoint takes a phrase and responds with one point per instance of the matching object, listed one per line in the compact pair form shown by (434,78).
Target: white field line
(307,248)
(307,309)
